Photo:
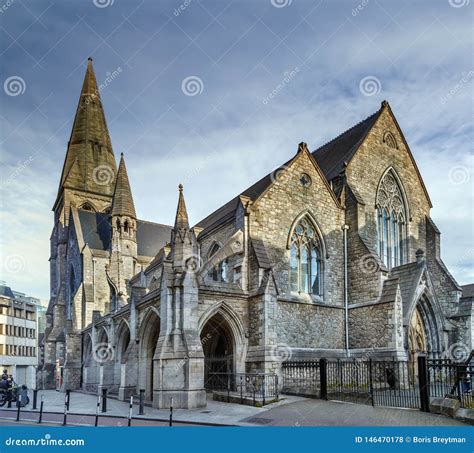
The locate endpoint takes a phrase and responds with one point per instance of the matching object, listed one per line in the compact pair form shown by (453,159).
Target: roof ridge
(347,130)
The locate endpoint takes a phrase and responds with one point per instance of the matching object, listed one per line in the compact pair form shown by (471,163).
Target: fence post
(68,398)
(130,411)
(323,379)
(35,398)
(171,412)
(41,409)
(104,400)
(141,410)
(18,405)
(241,390)
(65,408)
(423,383)
(97,411)
(371,383)
(228,387)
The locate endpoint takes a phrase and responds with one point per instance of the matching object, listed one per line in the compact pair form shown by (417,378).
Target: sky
(216,94)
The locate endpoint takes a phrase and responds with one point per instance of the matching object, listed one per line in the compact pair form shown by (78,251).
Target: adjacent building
(19,334)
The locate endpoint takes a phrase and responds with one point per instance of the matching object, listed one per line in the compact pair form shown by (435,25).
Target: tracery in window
(391,222)
(305,259)
(389,140)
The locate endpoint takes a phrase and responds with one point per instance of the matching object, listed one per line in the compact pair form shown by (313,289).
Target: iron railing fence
(259,387)
(377,382)
(301,377)
(452,380)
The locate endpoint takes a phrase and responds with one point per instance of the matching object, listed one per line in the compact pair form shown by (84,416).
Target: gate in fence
(394,383)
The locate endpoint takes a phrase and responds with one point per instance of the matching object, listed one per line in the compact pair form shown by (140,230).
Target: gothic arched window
(391,222)
(305,259)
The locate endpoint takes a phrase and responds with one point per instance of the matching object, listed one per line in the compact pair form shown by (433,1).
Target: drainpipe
(346,293)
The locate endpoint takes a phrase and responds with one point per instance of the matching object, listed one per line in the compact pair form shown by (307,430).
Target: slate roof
(123,200)
(408,276)
(261,253)
(151,237)
(90,163)
(330,157)
(468,290)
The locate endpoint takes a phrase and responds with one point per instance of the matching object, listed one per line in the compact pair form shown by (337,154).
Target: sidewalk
(217,413)
(290,411)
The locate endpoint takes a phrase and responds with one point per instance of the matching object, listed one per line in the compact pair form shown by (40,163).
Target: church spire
(122,204)
(181,220)
(90,163)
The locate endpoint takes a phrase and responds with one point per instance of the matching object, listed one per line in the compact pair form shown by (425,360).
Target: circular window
(305,180)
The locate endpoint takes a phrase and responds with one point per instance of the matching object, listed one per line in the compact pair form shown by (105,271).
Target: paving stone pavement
(332,413)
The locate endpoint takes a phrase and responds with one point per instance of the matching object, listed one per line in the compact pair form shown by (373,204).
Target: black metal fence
(395,383)
(258,387)
(451,379)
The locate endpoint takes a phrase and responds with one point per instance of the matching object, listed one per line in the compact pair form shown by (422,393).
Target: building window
(391,222)
(220,272)
(305,259)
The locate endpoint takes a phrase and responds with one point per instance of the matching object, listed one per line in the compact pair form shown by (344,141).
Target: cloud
(226,137)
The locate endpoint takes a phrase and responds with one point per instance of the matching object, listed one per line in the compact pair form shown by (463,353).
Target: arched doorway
(149,338)
(218,345)
(416,342)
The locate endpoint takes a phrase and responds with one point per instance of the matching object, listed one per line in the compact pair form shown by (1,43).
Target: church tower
(87,182)
(123,220)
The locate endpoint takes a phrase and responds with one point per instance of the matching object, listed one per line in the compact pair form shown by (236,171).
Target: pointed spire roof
(90,161)
(123,200)
(181,220)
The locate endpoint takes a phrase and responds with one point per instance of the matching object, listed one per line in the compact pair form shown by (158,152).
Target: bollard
(35,397)
(9,396)
(130,412)
(68,398)
(104,400)
(171,412)
(18,405)
(142,402)
(97,411)
(41,409)
(65,408)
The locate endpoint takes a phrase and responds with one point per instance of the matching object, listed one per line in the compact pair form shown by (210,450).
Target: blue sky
(220,132)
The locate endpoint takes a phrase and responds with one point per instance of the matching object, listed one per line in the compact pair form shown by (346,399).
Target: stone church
(334,254)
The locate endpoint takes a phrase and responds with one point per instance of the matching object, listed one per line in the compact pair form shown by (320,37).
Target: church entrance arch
(218,344)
